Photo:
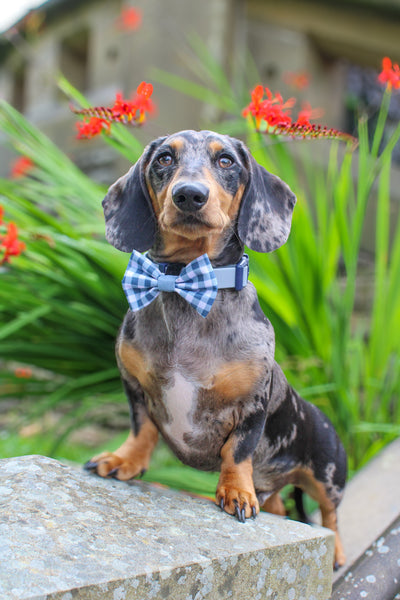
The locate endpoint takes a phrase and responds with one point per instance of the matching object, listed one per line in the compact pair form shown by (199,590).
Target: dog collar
(230,277)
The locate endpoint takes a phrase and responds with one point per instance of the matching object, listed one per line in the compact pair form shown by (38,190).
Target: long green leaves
(342,357)
(60,303)
(349,357)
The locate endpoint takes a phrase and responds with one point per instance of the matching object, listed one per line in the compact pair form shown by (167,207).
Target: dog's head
(195,192)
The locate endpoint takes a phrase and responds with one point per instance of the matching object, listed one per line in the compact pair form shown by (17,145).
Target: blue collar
(229,277)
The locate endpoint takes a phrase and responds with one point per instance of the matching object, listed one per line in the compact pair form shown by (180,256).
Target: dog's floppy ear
(266,209)
(128,211)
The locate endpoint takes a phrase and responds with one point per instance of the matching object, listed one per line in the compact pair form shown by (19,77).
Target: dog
(209,383)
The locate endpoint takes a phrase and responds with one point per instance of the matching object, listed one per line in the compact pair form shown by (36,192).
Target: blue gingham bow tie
(196,283)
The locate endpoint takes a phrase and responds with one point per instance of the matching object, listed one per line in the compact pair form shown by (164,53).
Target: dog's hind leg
(320,492)
(274,505)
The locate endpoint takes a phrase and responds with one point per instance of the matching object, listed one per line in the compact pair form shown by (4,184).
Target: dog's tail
(298,500)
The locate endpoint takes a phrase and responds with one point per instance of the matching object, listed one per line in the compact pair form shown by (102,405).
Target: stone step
(66,534)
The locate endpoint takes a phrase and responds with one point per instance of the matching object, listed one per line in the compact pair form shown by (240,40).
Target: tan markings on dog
(306,480)
(133,457)
(156,201)
(215,146)
(219,198)
(177,144)
(235,204)
(235,486)
(177,248)
(162,201)
(136,364)
(274,505)
(236,379)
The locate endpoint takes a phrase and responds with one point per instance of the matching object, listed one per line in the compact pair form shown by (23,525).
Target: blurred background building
(330,50)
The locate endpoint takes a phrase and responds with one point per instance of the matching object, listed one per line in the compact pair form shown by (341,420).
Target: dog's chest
(178,406)
(197,374)
(192,423)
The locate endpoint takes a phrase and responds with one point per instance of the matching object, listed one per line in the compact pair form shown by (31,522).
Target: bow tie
(196,283)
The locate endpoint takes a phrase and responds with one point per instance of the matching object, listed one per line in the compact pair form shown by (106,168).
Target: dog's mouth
(192,225)
(191,221)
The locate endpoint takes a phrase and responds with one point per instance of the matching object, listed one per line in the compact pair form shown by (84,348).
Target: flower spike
(273,116)
(21,167)
(10,245)
(390,74)
(98,119)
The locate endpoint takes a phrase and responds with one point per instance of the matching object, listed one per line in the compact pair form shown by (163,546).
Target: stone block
(66,534)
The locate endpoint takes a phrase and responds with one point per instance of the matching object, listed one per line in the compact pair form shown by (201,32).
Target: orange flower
(390,74)
(298,80)
(9,244)
(95,125)
(307,113)
(21,167)
(130,19)
(23,372)
(1,214)
(136,108)
(255,106)
(274,113)
(142,100)
(273,110)
(123,111)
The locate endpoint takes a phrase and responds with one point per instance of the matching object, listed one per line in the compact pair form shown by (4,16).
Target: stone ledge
(66,534)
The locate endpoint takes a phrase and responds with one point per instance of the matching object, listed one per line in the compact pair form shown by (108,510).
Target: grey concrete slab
(376,574)
(66,534)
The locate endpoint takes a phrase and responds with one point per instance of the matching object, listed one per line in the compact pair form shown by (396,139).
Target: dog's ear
(266,209)
(128,211)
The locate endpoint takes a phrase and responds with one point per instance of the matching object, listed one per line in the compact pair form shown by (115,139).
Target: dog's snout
(190,197)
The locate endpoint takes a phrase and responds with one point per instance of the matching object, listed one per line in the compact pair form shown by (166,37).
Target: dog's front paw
(238,502)
(108,464)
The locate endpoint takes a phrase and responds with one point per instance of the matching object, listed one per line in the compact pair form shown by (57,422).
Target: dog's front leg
(133,457)
(235,491)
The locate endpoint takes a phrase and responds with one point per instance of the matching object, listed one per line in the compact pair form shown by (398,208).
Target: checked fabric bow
(196,283)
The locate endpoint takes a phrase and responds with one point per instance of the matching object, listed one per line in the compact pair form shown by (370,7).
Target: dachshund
(209,382)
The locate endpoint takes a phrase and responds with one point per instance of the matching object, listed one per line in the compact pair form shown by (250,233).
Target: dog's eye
(225,161)
(165,160)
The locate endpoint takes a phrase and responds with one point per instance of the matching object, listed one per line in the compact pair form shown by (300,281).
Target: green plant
(60,302)
(345,361)
(348,363)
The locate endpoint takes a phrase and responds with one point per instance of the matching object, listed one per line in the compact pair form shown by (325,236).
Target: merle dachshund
(209,383)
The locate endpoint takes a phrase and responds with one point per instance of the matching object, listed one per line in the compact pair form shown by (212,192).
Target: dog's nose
(190,197)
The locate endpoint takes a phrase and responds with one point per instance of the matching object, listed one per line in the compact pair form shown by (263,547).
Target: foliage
(61,302)
(345,361)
